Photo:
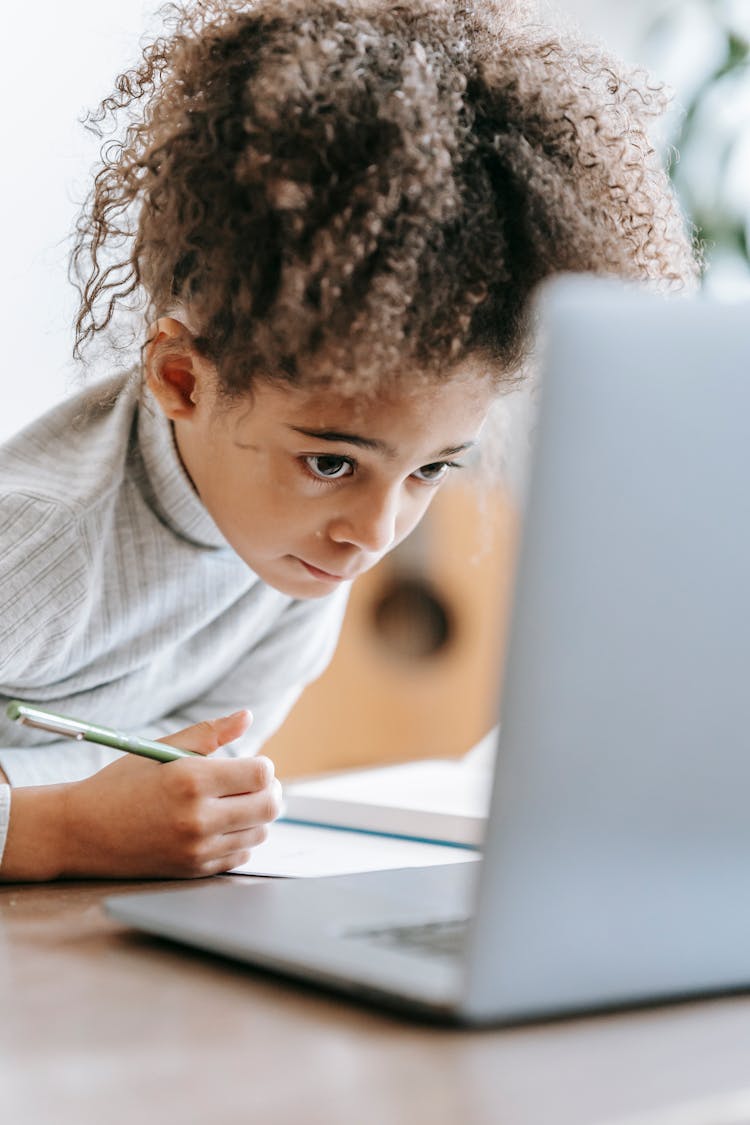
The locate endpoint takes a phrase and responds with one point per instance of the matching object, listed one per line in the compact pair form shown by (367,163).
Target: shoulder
(56,477)
(68,457)
(44,568)
(30,526)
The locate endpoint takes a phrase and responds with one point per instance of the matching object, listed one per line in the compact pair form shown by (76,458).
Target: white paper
(307,851)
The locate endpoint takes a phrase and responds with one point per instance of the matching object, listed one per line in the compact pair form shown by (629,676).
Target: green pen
(33,716)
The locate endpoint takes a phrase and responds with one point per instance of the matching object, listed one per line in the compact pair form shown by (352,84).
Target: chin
(301,590)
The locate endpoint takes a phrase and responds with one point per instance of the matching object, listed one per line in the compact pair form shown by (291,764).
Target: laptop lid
(617,864)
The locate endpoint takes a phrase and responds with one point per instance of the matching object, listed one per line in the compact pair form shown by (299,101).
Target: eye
(327,466)
(431,474)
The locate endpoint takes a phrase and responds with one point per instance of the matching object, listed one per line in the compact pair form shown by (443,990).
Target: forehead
(423,407)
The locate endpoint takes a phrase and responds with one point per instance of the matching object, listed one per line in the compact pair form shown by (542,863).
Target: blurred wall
(55,60)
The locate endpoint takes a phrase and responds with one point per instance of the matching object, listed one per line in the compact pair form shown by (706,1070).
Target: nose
(369,521)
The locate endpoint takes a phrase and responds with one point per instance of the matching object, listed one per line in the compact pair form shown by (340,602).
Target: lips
(323,575)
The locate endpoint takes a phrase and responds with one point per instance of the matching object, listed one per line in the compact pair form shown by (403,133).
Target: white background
(56,60)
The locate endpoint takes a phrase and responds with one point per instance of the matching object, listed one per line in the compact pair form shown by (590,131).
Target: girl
(331,215)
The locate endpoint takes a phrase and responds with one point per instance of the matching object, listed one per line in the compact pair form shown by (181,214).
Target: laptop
(616,864)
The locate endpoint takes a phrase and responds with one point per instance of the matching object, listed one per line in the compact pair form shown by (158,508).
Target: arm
(268,680)
(137,818)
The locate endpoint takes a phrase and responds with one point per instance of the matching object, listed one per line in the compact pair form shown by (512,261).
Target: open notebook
(417,814)
(414,815)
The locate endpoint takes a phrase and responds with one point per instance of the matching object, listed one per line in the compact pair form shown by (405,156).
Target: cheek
(412,512)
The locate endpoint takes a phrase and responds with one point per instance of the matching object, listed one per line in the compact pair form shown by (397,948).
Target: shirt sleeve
(268,680)
(54,762)
(43,584)
(4,818)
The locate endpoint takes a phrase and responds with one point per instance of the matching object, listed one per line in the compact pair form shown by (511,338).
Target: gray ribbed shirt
(120,600)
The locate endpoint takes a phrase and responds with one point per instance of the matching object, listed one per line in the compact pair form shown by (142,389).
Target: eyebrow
(374,444)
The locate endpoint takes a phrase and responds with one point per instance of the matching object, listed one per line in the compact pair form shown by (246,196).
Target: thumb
(209,735)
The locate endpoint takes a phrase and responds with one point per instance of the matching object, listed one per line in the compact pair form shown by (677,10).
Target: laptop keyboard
(442,939)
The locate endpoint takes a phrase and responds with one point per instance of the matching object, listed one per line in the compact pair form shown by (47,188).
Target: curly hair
(378,183)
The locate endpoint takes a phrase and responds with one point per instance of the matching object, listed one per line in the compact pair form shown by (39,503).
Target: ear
(173,368)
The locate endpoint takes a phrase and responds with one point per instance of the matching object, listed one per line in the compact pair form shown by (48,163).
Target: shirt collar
(172,493)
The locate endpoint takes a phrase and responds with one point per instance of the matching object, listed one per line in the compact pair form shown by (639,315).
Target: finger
(232,852)
(243,841)
(237,814)
(233,777)
(241,854)
(225,863)
(209,735)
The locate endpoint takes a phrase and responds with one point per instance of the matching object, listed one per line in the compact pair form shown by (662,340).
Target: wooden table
(101,1025)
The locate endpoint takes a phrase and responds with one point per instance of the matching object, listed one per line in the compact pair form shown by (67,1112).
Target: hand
(187,818)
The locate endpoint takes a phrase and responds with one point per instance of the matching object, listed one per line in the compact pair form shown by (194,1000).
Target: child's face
(311,488)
